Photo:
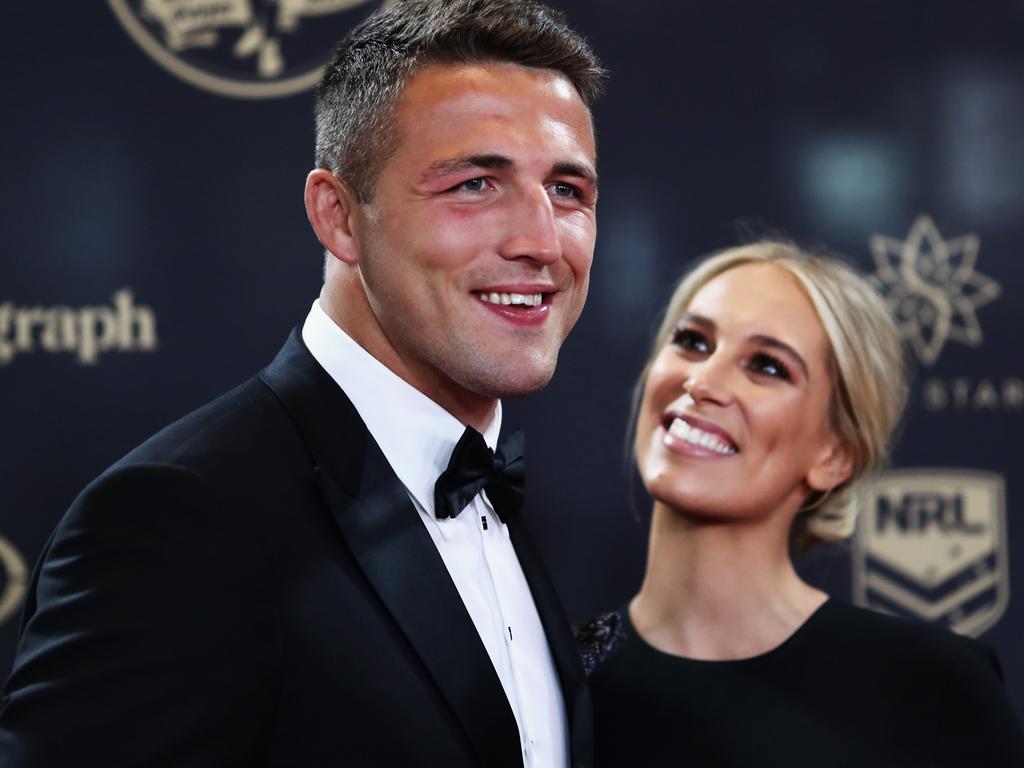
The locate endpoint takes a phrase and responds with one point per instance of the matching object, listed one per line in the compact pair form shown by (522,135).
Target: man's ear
(331,210)
(833,466)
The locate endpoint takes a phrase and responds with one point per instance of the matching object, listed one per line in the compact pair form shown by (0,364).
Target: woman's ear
(331,209)
(833,466)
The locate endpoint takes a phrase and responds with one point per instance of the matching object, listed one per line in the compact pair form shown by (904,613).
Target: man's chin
(508,382)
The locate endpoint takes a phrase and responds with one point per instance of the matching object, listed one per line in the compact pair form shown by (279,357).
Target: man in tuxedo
(328,565)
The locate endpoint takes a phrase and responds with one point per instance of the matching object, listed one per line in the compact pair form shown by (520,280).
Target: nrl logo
(931,545)
(247,49)
(932,288)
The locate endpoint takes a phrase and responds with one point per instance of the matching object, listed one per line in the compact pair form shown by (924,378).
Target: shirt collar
(415,434)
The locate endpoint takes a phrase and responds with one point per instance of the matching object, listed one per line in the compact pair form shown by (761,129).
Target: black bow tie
(474,466)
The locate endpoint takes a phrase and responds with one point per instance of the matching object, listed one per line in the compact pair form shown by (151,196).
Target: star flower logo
(931,287)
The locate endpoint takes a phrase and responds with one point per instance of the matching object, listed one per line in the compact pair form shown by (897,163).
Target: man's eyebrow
(459,164)
(579,170)
(500,162)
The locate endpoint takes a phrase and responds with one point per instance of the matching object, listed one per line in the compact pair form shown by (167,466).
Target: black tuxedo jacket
(252,586)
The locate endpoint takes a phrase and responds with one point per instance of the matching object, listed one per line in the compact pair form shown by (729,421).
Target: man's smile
(521,305)
(512,299)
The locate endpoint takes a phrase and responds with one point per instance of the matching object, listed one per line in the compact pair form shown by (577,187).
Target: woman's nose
(708,381)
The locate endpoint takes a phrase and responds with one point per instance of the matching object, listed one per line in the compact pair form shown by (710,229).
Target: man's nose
(532,229)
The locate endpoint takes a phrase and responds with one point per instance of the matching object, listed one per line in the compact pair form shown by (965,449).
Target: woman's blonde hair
(866,361)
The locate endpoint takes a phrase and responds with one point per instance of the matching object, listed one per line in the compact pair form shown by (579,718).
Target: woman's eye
(770,366)
(689,339)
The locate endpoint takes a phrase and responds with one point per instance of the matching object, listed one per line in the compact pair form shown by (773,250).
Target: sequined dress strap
(599,638)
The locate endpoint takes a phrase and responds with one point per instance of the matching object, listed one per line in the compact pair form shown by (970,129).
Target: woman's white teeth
(695,436)
(525,299)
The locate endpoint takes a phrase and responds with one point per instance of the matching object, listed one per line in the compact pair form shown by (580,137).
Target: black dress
(849,688)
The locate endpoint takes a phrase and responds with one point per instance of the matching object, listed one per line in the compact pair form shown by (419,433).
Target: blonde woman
(773,387)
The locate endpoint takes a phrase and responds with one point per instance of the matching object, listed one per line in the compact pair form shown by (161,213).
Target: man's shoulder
(242,423)
(232,449)
(270,419)
(239,461)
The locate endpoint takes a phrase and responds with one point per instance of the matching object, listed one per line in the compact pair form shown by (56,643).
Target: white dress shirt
(417,437)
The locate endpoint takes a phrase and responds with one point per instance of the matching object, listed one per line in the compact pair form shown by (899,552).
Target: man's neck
(349,309)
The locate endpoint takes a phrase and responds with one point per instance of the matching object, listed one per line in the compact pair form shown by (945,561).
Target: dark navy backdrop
(832,122)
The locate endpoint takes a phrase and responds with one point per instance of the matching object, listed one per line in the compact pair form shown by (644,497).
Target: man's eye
(562,189)
(473,185)
(689,339)
(769,366)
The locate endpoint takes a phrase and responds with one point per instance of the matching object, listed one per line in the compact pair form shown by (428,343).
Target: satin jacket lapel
(562,643)
(377,520)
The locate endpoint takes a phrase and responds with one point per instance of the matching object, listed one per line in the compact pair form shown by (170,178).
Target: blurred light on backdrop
(983,175)
(851,182)
(625,269)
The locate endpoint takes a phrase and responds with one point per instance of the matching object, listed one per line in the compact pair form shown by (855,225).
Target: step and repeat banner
(156,252)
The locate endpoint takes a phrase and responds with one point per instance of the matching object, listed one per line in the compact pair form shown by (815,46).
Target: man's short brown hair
(357,94)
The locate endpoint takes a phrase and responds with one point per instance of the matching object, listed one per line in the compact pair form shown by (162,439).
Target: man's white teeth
(525,299)
(694,436)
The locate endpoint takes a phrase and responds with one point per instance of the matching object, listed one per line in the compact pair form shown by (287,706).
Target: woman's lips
(691,435)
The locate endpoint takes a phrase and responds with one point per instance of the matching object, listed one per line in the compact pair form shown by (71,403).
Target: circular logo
(16,581)
(246,49)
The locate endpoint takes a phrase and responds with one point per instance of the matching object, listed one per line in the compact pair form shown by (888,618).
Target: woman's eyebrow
(771,341)
(763,339)
(704,322)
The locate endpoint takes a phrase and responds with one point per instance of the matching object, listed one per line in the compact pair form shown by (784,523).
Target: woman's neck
(720,591)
